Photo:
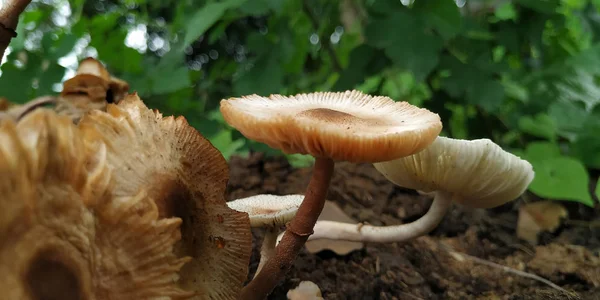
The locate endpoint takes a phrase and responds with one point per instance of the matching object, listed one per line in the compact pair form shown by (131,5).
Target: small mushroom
(306,290)
(476,173)
(186,176)
(269,212)
(91,88)
(345,126)
(63,235)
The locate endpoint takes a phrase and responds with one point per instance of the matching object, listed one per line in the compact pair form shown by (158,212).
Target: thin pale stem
(296,234)
(386,234)
(268,248)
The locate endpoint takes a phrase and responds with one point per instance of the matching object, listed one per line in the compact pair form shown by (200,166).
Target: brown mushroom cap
(62,234)
(349,126)
(187,177)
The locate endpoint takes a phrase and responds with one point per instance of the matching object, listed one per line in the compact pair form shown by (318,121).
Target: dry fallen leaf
(332,212)
(538,217)
(306,290)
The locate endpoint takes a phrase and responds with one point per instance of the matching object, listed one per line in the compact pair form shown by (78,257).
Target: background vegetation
(524,73)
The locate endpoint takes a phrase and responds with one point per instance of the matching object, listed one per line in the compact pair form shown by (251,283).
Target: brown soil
(438,266)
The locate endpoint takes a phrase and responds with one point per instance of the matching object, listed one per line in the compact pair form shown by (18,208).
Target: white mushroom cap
(477,173)
(268,210)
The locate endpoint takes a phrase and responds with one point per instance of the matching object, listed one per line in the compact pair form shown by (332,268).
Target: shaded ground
(433,267)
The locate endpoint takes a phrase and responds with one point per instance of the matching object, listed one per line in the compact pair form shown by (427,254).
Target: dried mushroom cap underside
(63,234)
(478,173)
(91,88)
(348,126)
(187,177)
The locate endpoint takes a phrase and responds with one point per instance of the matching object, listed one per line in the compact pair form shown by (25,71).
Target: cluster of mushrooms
(104,198)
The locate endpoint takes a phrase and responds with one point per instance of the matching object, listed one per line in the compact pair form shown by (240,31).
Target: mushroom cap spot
(58,220)
(187,177)
(478,173)
(267,210)
(345,126)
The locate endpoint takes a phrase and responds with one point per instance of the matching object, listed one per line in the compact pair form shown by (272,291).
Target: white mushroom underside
(268,210)
(479,172)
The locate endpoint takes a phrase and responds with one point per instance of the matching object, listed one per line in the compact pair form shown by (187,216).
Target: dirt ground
(443,265)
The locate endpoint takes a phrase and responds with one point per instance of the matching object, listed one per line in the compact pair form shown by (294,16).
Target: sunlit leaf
(557,176)
(541,125)
(505,11)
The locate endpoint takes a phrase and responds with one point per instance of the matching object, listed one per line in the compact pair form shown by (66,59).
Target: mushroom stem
(296,233)
(386,234)
(268,248)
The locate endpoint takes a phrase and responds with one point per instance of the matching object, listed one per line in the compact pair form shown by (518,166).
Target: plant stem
(9,18)
(386,234)
(268,248)
(296,234)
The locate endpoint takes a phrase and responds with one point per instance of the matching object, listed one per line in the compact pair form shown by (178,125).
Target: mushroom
(269,212)
(306,290)
(186,176)
(345,126)
(62,234)
(476,173)
(91,88)
(16,112)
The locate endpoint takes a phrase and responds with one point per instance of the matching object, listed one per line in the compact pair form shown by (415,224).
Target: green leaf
(541,125)
(205,17)
(586,145)
(443,15)
(489,95)
(598,190)
(300,161)
(542,6)
(506,11)
(225,144)
(409,46)
(364,61)
(15,84)
(48,77)
(264,78)
(568,117)
(167,81)
(556,176)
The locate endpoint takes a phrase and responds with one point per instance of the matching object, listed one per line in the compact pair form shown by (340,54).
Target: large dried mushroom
(64,234)
(187,177)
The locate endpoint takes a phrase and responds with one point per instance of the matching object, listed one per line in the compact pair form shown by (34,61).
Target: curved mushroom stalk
(345,126)
(386,234)
(477,173)
(63,235)
(186,177)
(269,212)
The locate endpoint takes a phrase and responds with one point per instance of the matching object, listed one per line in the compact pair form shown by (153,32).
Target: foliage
(524,73)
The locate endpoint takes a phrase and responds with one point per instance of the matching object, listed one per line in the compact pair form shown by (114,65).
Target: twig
(9,18)
(461,256)
(315,22)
